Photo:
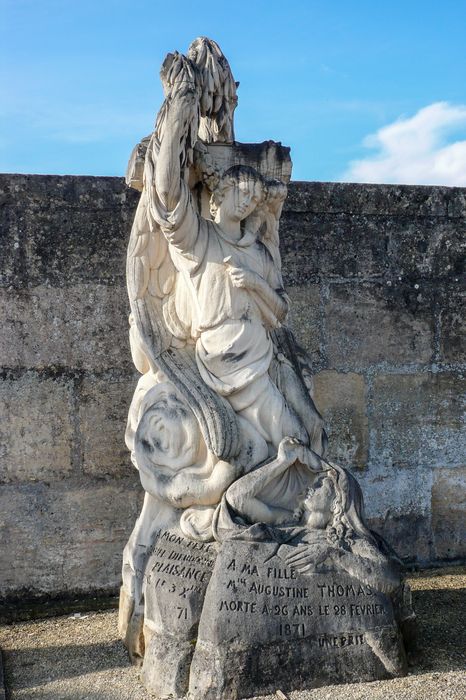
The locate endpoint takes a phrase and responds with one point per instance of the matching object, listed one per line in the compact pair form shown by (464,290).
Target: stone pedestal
(264,626)
(176,580)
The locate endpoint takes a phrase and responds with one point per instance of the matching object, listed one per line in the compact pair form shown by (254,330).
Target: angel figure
(225,294)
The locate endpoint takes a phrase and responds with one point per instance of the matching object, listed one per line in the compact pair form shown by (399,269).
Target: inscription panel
(266,600)
(265,621)
(175,582)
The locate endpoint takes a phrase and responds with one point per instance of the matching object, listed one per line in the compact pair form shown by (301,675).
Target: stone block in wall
(84,326)
(318,246)
(398,505)
(65,536)
(452,251)
(408,533)
(449,513)
(103,411)
(360,199)
(456,203)
(366,244)
(417,420)
(70,248)
(341,399)
(35,427)
(304,319)
(12,268)
(419,248)
(70,229)
(452,319)
(377,324)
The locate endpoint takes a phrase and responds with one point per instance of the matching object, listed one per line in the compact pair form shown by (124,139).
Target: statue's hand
(242,277)
(291,449)
(177,74)
(306,558)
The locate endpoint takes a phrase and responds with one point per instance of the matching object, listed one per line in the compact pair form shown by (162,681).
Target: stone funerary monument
(250,567)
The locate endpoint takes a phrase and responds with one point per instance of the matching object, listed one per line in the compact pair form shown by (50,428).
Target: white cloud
(414,150)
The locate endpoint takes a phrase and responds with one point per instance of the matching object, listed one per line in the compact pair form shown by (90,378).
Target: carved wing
(150,274)
(270,213)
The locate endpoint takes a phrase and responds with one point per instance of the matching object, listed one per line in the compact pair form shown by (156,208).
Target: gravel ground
(81,658)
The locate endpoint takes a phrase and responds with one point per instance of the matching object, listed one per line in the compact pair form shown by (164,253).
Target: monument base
(176,579)
(264,627)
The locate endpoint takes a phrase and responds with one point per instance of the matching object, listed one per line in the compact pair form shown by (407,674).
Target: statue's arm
(244,494)
(170,199)
(272,302)
(275,299)
(168,169)
(257,511)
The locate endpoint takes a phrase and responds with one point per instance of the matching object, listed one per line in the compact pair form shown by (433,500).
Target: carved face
(318,502)
(168,433)
(240,199)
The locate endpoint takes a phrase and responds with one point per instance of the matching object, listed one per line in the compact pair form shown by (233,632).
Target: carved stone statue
(222,427)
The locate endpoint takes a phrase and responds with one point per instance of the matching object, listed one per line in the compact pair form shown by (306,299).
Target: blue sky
(365,91)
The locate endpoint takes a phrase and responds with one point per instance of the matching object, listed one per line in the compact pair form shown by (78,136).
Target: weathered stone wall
(374,276)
